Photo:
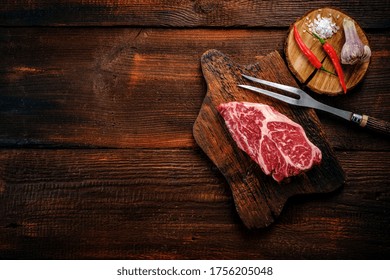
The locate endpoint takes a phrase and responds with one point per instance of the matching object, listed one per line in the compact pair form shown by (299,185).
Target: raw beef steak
(271,139)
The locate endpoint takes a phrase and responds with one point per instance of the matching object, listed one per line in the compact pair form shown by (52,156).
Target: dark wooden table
(98,161)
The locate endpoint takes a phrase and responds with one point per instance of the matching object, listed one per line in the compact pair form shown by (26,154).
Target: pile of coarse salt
(322,26)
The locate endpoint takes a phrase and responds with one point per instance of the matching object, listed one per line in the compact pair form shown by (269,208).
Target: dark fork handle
(375,124)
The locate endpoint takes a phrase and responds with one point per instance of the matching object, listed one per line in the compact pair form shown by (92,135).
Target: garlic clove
(353,50)
(351,53)
(366,54)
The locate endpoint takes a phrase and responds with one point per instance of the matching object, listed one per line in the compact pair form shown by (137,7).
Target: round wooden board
(322,82)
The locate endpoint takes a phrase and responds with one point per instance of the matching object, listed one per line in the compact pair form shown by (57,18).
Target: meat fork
(305,100)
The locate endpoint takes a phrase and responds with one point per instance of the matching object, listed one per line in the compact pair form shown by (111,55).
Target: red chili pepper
(335,60)
(308,53)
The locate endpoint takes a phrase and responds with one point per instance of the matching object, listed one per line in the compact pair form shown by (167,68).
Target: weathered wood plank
(187,13)
(169,204)
(143,87)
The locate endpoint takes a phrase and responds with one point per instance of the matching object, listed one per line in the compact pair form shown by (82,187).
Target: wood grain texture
(187,13)
(126,75)
(258,198)
(377,125)
(74,87)
(317,80)
(172,204)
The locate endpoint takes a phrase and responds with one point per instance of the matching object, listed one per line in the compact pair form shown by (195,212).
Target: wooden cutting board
(258,198)
(320,81)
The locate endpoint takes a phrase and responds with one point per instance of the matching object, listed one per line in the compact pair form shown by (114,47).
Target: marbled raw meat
(276,143)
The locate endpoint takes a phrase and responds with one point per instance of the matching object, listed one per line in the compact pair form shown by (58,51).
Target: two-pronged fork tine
(294,90)
(300,101)
(305,100)
(284,98)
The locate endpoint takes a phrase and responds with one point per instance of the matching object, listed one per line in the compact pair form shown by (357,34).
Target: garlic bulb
(353,51)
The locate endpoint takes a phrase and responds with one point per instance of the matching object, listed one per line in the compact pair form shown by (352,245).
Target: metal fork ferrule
(356,118)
